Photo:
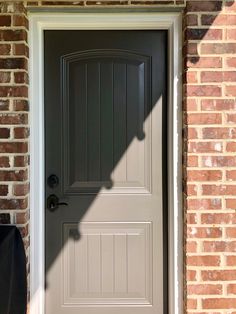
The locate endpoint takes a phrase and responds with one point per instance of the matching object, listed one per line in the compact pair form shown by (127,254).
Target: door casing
(40,21)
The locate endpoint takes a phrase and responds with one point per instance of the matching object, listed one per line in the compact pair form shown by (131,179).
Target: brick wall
(209,114)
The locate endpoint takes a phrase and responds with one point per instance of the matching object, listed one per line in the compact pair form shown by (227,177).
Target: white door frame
(126,21)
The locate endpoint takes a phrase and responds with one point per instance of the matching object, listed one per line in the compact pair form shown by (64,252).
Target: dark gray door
(105,119)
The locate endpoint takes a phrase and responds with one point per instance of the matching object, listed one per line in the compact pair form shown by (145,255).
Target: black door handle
(53,202)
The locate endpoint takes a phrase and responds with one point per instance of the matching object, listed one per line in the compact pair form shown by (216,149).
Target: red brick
(206,34)
(191,247)
(7,175)
(20,189)
(13,91)
(5,77)
(201,6)
(205,260)
(17,147)
(219,133)
(204,62)
(4,133)
(13,118)
(204,118)
(218,48)
(4,104)
(221,19)
(13,63)
(231,203)
(20,105)
(20,50)
(204,289)
(219,161)
(204,175)
(218,104)
(191,304)
(231,232)
(190,77)
(191,190)
(219,246)
(219,303)
(21,132)
(218,275)
(191,20)
(203,232)
(4,162)
(230,260)
(3,190)
(190,49)
(204,204)
(231,34)
(190,133)
(192,161)
(190,104)
(230,90)
(231,289)
(5,218)
(21,78)
(210,76)
(218,189)
(21,161)
(20,20)
(13,203)
(205,147)
(231,62)
(203,90)
(22,218)
(5,49)
(218,218)
(5,20)
(191,219)
(231,175)
(13,35)
(191,275)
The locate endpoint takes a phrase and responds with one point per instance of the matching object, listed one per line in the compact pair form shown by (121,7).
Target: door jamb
(125,21)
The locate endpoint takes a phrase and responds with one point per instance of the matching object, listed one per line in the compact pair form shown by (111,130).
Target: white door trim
(132,20)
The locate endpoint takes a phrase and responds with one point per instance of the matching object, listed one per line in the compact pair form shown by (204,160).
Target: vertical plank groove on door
(126,123)
(86,119)
(93,118)
(132,117)
(77,107)
(99,117)
(120,269)
(119,122)
(106,91)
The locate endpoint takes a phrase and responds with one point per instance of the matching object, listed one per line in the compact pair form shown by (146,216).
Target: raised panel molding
(110,265)
(112,94)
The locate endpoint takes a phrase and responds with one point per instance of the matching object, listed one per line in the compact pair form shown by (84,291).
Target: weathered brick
(204,289)
(13,204)
(13,63)
(205,260)
(13,35)
(5,20)
(203,118)
(206,34)
(219,303)
(14,147)
(11,118)
(205,147)
(218,275)
(11,175)
(4,132)
(204,204)
(204,62)
(204,232)
(204,175)
(5,49)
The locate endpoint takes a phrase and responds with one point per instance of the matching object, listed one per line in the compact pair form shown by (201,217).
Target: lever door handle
(53,202)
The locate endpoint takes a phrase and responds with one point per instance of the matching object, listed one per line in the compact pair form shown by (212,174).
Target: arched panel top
(98,54)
